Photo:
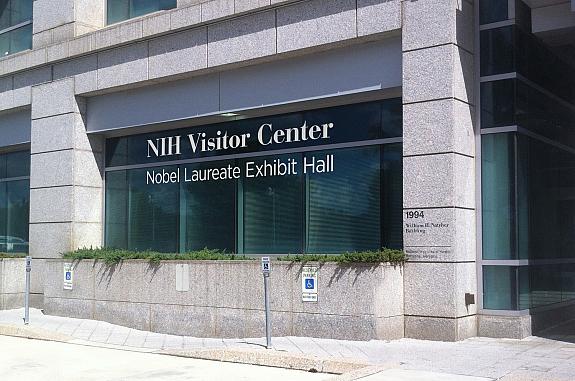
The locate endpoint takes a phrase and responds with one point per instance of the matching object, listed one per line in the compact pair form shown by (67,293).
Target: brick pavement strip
(533,358)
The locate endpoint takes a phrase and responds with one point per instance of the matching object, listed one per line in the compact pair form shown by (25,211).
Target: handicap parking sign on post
(68,276)
(309,284)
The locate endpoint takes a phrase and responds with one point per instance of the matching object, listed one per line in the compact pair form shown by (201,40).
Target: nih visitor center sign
(266,135)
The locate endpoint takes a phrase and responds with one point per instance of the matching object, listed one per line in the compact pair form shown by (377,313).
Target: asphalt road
(30,360)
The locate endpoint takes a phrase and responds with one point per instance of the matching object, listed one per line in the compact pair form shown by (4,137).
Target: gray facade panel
(358,68)
(15,128)
(196,96)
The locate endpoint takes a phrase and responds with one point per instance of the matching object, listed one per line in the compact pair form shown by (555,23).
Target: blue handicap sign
(68,275)
(309,283)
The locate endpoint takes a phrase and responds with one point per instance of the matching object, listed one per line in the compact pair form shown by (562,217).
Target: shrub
(380,256)
(113,256)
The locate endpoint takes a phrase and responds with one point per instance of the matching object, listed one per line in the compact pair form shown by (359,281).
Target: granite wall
(226,298)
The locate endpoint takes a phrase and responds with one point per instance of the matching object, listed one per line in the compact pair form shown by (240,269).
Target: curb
(28,332)
(272,359)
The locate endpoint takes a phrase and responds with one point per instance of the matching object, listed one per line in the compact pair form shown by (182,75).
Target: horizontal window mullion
(17,26)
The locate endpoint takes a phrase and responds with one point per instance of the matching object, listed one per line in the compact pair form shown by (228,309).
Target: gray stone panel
(512,327)
(436,22)
(52,169)
(63,32)
(183,320)
(74,308)
(178,53)
(242,38)
(51,204)
(389,328)
(84,70)
(436,73)
(431,328)
(388,292)
(184,17)
(87,204)
(90,12)
(58,52)
(86,235)
(37,276)
(60,132)
(88,168)
(12,301)
(247,5)
(445,180)
(441,235)
(311,23)
(438,289)
(123,65)
(334,326)
(378,16)
(438,126)
(467,327)
(202,291)
(55,240)
(21,97)
(47,16)
(117,34)
(53,99)
(216,9)
(255,323)
(41,39)
(125,282)
(13,276)
(236,295)
(83,286)
(133,315)
(7,100)
(80,45)
(156,24)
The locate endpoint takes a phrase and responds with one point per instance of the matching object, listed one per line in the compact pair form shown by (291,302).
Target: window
(15,26)
(120,10)
(313,200)
(14,201)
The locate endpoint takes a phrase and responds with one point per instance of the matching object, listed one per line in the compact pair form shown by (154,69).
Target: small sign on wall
(309,284)
(68,276)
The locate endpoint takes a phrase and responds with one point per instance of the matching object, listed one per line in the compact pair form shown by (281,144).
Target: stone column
(60,20)
(439,169)
(65,176)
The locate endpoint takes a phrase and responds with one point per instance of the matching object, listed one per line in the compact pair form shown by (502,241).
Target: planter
(225,298)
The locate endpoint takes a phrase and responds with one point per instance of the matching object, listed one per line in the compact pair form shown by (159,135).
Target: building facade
(445,128)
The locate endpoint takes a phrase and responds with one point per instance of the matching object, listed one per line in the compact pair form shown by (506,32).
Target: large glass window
(120,10)
(14,202)
(317,201)
(15,26)
(528,212)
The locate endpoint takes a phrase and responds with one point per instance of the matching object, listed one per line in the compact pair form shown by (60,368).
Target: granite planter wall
(225,298)
(12,283)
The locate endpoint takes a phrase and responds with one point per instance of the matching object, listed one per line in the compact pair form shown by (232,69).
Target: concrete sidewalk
(533,358)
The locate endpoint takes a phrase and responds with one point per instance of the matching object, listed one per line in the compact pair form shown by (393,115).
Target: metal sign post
(266,269)
(27,293)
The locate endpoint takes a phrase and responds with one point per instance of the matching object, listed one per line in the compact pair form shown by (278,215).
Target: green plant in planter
(380,256)
(113,256)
